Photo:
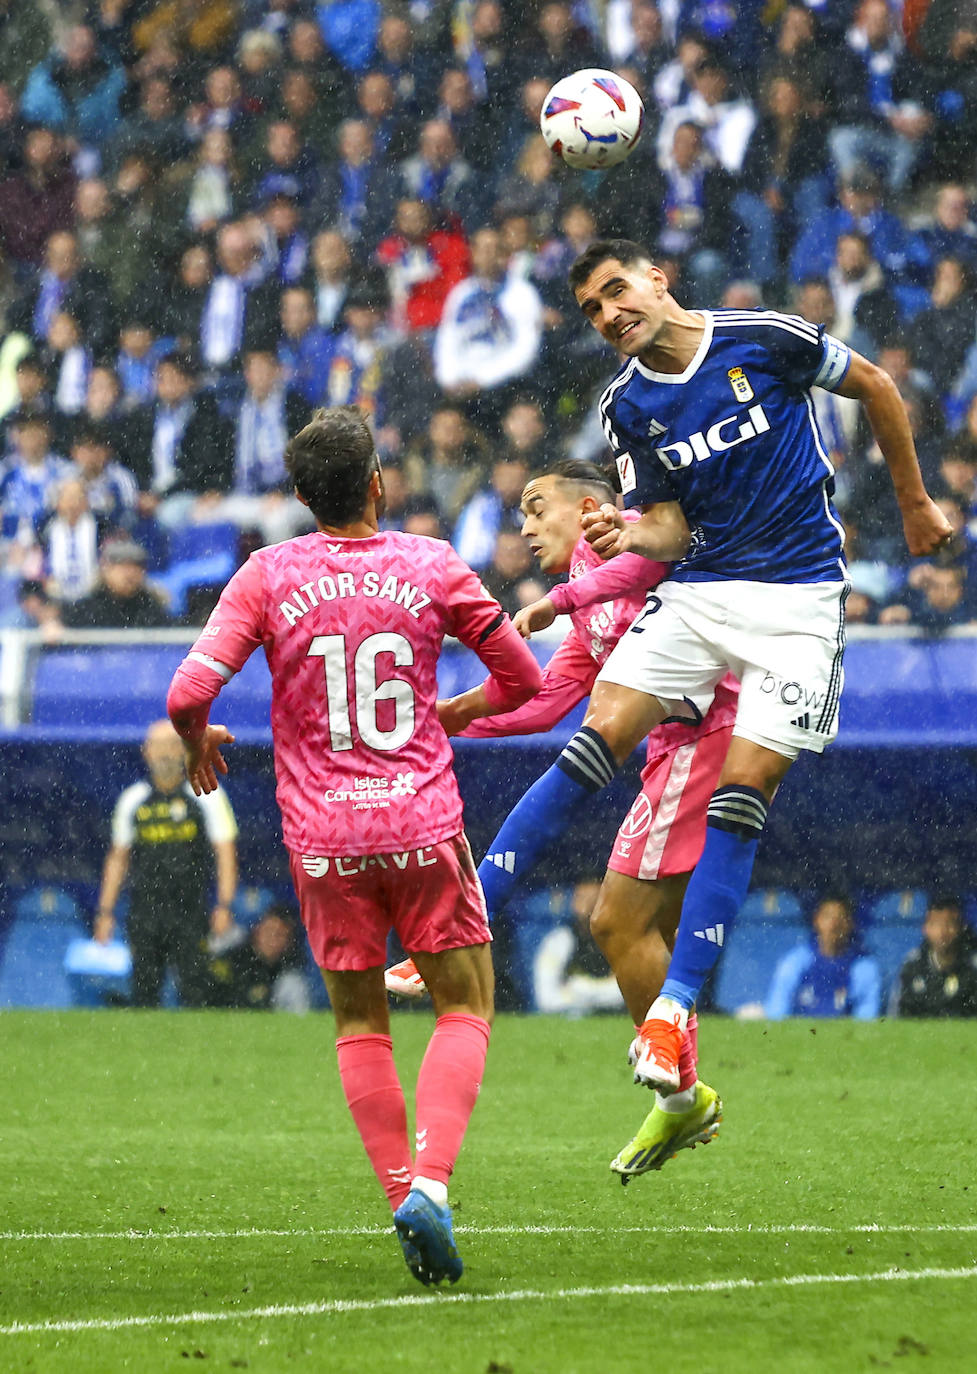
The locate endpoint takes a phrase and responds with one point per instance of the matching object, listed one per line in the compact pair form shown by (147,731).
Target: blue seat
(770,923)
(530,918)
(219,539)
(773,904)
(907,906)
(32,974)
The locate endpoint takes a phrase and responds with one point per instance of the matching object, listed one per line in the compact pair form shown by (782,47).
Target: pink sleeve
(234,629)
(628,572)
(481,624)
(567,679)
(231,635)
(192,690)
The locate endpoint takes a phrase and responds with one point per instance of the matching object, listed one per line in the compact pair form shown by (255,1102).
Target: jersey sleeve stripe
(605,401)
(772,317)
(783,324)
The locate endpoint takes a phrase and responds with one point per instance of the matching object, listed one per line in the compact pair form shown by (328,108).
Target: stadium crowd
(216,215)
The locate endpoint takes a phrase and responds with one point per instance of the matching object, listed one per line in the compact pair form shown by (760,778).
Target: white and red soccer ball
(592,118)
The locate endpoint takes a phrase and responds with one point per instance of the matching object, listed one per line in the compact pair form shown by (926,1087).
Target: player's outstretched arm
(662,533)
(925,525)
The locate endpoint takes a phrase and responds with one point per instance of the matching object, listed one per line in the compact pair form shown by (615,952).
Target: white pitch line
(254,1232)
(341,1306)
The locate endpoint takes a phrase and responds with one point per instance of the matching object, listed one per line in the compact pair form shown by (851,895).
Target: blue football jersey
(734,440)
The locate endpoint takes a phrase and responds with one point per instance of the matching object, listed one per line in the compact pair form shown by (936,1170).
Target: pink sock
(688,1058)
(376,1100)
(447,1087)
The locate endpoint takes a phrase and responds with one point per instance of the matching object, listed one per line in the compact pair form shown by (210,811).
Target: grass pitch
(189,1187)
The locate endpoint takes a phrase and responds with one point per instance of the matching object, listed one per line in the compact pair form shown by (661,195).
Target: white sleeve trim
(222,668)
(123,817)
(218,816)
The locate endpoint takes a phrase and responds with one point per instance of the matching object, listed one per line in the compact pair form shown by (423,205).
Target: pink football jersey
(352,629)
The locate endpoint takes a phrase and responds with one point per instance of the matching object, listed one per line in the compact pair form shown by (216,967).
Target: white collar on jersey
(675,378)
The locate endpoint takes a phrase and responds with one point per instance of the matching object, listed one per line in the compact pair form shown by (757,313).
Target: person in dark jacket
(940,977)
(121,601)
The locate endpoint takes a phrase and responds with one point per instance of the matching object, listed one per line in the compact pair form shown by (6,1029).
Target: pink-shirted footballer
(351,621)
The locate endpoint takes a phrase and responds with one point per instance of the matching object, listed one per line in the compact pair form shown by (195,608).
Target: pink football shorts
(430,896)
(665,829)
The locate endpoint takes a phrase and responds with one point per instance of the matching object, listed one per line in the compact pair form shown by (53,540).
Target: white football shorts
(785,643)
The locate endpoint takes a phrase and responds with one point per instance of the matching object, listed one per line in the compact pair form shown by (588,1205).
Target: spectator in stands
(302,104)
(103,409)
(936,601)
(121,600)
(423,263)
(830,975)
(68,361)
(697,226)
(172,848)
(509,576)
(726,117)
(442,179)
(33,397)
(645,46)
(211,186)
(494,508)
(180,446)
(865,311)
(886,122)
(284,166)
(259,58)
(785,174)
(263,969)
(860,211)
(304,348)
(135,362)
(70,543)
(940,977)
(76,90)
(570,974)
(66,283)
(110,488)
(241,310)
(557,43)
(533,188)
(474,135)
(521,120)
(951,232)
(36,201)
(179,303)
(356,373)
(285,242)
(222,107)
(258,493)
(357,192)
(392,127)
(30,478)
(490,332)
(330,275)
(308,54)
(940,335)
(448,464)
(157,123)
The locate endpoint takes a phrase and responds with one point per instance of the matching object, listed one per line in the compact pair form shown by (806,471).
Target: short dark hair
(582,473)
(331,462)
(945,901)
(625,250)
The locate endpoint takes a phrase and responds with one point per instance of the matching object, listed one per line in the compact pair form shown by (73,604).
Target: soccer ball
(592,118)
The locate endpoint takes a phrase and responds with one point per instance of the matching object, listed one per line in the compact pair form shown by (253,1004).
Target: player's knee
(588,759)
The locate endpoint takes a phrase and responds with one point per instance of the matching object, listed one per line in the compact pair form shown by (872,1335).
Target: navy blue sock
(716,889)
(542,814)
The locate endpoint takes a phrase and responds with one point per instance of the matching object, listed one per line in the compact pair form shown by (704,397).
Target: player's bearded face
(625,304)
(551,524)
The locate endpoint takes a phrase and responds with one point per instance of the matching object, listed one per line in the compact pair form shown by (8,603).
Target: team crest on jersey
(740,383)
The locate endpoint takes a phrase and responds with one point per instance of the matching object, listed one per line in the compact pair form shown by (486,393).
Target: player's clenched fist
(605,530)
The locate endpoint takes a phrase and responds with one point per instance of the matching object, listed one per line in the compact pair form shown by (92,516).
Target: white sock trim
(432,1188)
(666,1009)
